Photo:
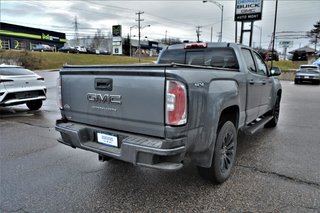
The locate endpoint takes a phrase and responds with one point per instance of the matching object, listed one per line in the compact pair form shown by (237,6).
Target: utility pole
(198,33)
(139,20)
(76,33)
(274,32)
(211,34)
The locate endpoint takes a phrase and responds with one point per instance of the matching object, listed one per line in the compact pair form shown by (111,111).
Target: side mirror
(275,71)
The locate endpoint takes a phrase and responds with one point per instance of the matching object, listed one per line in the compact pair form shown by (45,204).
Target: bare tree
(97,39)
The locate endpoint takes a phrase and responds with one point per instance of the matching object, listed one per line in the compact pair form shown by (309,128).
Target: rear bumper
(312,78)
(13,97)
(136,149)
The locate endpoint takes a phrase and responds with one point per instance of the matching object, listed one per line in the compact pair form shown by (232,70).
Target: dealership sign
(116,40)
(248,10)
(286,44)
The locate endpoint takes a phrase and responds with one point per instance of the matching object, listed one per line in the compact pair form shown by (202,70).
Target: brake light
(176,103)
(40,79)
(59,98)
(195,45)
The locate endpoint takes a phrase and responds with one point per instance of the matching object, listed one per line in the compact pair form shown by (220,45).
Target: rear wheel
(34,105)
(275,113)
(223,155)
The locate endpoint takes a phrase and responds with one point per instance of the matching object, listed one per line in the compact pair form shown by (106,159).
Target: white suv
(21,86)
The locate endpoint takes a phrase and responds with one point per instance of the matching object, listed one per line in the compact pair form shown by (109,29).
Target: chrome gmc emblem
(104,98)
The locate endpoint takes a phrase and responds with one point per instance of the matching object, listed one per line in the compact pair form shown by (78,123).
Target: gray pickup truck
(190,104)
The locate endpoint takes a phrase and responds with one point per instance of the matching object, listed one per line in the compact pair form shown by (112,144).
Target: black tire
(296,82)
(34,105)
(275,113)
(223,156)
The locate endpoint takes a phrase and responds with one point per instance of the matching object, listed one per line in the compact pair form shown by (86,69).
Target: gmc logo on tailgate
(104,98)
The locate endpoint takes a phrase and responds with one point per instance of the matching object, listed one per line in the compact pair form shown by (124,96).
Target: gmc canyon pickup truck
(190,104)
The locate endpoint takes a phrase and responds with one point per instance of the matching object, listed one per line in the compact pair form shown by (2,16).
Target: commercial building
(25,38)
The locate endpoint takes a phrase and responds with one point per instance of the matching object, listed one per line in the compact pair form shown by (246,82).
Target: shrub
(20,58)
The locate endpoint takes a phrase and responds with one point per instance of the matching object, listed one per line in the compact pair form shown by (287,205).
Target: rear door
(120,98)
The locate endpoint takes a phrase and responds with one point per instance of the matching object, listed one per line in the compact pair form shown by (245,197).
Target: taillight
(59,98)
(176,103)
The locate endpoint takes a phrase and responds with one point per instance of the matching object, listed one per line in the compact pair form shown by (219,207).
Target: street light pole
(221,22)
(130,39)
(260,30)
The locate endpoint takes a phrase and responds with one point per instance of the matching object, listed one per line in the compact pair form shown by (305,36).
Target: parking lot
(277,170)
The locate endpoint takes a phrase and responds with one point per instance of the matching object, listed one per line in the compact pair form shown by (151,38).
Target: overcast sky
(178,18)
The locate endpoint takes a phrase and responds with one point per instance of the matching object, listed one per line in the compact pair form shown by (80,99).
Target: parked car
(92,51)
(42,48)
(81,49)
(21,86)
(68,49)
(309,73)
(267,55)
(272,56)
(104,52)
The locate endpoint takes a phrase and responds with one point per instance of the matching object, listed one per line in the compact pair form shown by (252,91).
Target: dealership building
(25,38)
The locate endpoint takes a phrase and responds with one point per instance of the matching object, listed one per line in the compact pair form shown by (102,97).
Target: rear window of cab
(222,57)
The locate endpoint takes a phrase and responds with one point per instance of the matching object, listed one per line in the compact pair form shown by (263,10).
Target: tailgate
(123,98)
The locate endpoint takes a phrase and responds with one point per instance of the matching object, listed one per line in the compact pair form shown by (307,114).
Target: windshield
(212,57)
(15,71)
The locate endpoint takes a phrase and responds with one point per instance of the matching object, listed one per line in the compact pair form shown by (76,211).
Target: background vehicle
(21,86)
(68,49)
(190,104)
(272,56)
(310,73)
(317,62)
(104,52)
(81,49)
(42,48)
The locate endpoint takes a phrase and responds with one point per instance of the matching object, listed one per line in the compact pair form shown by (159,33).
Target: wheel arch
(230,113)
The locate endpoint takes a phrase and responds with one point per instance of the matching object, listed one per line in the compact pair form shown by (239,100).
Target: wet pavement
(277,170)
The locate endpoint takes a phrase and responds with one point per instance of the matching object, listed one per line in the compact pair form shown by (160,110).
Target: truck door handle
(103,84)
(251,81)
(263,82)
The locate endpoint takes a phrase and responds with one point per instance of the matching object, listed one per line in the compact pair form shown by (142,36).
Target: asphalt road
(277,170)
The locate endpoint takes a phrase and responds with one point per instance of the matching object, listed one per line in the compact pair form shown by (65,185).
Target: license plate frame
(108,139)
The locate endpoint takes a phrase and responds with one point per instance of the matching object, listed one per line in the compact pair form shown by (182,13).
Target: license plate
(306,76)
(107,139)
